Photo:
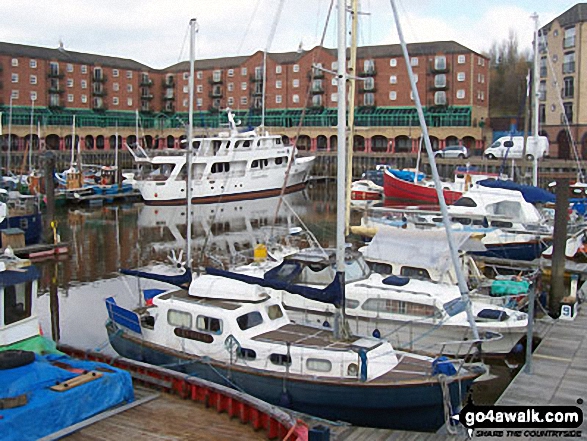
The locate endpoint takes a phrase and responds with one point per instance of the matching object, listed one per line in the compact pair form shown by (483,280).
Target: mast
(341,169)
(116,156)
(72,143)
(445,218)
(535,104)
(8,166)
(190,136)
(31,136)
(351,114)
(269,40)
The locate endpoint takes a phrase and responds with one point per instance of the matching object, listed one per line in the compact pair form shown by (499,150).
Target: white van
(514,146)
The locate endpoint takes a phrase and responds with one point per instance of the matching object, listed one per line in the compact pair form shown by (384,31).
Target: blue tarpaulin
(48,411)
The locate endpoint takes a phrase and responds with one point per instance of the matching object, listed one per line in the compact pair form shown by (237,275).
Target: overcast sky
(155,33)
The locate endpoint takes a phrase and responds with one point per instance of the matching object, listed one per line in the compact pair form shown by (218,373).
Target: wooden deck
(167,417)
(559,374)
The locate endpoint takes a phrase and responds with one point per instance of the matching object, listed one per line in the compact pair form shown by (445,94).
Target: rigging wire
(253,15)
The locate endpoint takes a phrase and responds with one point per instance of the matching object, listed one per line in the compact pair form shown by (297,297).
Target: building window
(440,80)
(199,102)
(231,72)
(84,69)
(296,67)
(296,83)
(295,98)
(33,79)
(14,94)
(84,99)
(129,102)
(334,66)
(185,89)
(33,96)
(217,75)
(440,98)
(369,99)
(243,71)
(115,87)
(461,94)
(542,113)
(84,84)
(278,84)
(461,59)
(33,64)
(70,98)
(244,85)
(69,67)
(393,62)
(543,67)
(70,82)
(440,62)
(481,61)
(542,91)
(230,101)
(278,69)
(569,87)
(115,73)
(199,75)
(393,95)
(277,99)
(414,61)
(199,88)
(317,100)
(334,97)
(14,62)
(129,74)
(243,101)
(14,78)
(393,79)
(369,83)
(569,38)
(568,108)
(569,63)
(186,76)
(369,67)
(461,76)
(115,101)
(129,87)
(230,87)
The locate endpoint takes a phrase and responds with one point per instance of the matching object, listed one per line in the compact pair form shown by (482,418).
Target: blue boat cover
(180,280)
(406,175)
(331,294)
(530,193)
(48,411)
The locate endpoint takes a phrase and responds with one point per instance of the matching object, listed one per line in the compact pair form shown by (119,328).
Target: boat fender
(442,365)
(376,333)
(12,358)
(326,324)
(285,399)
(363,358)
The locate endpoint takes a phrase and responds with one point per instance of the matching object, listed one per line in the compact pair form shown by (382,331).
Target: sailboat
(243,338)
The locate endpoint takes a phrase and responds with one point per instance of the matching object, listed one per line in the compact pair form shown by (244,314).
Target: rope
(446,402)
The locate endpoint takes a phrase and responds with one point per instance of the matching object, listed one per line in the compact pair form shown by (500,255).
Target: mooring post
(557,277)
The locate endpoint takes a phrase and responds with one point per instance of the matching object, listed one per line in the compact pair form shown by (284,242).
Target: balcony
(256,78)
(215,80)
(98,78)
(146,96)
(434,69)
(146,82)
(168,82)
(99,92)
(316,90)
(56,89)
(55,74)
(439,86)
(367,89)
(368,73)
(315,74)
(216,94)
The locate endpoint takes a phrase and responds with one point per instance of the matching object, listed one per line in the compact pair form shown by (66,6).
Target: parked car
(452,151)
(513,147)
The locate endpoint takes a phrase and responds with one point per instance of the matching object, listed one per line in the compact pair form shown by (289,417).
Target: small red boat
(424,190)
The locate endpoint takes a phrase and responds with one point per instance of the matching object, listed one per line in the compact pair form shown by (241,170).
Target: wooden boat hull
(395,188)
(402,406)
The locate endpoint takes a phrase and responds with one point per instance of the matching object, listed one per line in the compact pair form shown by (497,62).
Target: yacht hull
(401,406)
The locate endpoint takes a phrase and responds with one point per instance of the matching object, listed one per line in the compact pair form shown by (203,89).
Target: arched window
(52,142)
(403,144)
(170,141)
(321,142)
(304,143)
(100,142)
(89,142)
(379,144)
(358,144)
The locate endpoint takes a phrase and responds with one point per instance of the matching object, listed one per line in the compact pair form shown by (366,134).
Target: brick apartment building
(41,89)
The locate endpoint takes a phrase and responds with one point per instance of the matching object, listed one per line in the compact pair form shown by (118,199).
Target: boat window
(418,273)
(501,224)
(398,307)
(179,318)
(209,324)
(17,302)
(196,145)
(280,359)
(255,164)
(461,220)
(193,335)
(249,320)
(278,161)
(465,202)
(356,269)
(351,303)
(246,354)
(318,365)
(491,315)
(318,274)
(278,141)
(220,167)
(216,145)
(381,268)
(274,312)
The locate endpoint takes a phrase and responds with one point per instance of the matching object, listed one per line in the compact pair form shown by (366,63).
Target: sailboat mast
(445,218)
(8,166)
(31,136)
(190,136)
(535,115)
(341,158)
(352,67)
(72,143)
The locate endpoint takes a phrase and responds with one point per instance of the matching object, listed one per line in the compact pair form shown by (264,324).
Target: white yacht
(230,166)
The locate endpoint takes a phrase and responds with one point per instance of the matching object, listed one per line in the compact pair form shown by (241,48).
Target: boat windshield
(156,172)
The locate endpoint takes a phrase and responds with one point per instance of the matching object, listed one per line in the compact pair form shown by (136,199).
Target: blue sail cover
(180,280)
(331,294)
(405,175)
(530,193)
